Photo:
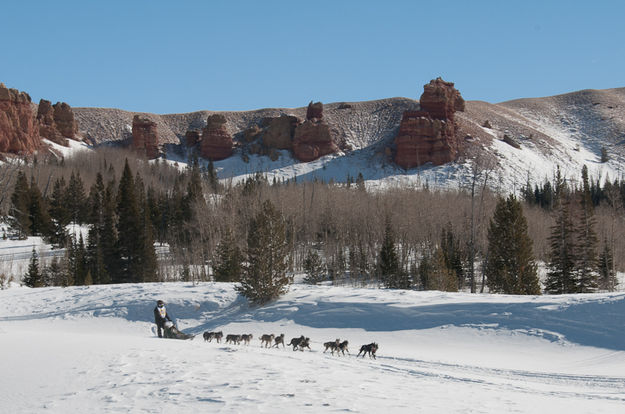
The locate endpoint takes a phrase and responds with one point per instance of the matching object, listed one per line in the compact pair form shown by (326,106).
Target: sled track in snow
(533,382)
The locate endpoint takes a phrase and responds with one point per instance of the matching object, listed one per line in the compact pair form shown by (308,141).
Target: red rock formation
(440,99)
(279,131)
(56,122)
(145,136)
(216,141)
(313,140)
(314,111)
(428,135)
(19,132)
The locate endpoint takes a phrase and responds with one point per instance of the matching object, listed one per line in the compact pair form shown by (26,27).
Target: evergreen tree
(313,266)
(510,267)
(561,265)
(20,206)
(77,258)
(586,255)
(108,237)
(148,264)
(228,266)
(265,278)
(450,247)
(441,276)
(40,222)
(54,273)
(75,198)
(95,254)
(129,243)
(58,213)
(34,277)
(607,275)
(389,271)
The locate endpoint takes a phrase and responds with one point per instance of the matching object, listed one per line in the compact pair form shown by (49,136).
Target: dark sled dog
(233,339)
(209,336)
(343,347)
(332,346)
(301,343)
(279,340)
(370,348)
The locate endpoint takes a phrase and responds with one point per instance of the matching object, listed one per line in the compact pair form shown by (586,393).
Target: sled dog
(370,348)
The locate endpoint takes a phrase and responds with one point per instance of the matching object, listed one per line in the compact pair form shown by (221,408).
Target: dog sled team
(298,343)
(166,328)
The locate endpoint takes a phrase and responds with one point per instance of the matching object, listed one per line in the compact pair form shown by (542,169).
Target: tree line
(258,231)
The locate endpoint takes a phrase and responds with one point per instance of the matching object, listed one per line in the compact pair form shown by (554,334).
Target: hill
(523,137)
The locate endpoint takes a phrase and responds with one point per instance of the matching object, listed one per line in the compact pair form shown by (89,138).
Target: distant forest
(411,238)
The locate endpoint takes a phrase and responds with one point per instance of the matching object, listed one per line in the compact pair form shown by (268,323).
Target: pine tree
(75,198)
(441,276)
(108,236)
(54,274)
(148,264)
(265,277)
(450,247)
(40,222)
(586,255)
(20,206)
(228,266)
(607,275)
(561,265)
(389,271)
(34,277)
(510,267)
(58,213)
(313,266)
(129,243)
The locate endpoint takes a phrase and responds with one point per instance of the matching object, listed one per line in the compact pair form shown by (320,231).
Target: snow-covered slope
(94,349)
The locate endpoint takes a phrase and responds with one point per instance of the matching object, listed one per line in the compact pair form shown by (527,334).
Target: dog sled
(172,332)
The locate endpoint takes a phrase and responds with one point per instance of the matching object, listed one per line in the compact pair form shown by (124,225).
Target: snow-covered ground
(93,349)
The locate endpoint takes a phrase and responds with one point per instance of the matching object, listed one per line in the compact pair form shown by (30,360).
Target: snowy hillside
(94,349)
(566,130)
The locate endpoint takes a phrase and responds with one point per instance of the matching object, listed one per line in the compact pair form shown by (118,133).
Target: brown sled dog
(266,340)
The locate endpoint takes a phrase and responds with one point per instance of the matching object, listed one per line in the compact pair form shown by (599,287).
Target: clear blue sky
(181,56)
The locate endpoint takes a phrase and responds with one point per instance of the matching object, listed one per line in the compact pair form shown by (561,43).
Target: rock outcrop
(56,122)
(429,135)
(314,111)
(279,132)
(19,131)
(216,141)
(313,138)
(145,136)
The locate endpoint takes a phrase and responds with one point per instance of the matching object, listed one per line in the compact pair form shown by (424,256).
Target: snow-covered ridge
(568,131)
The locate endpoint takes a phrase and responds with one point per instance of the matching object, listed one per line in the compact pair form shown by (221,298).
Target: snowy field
(94,349)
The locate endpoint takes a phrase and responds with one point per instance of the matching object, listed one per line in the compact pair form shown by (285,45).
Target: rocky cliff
(56,122)
(19,130)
